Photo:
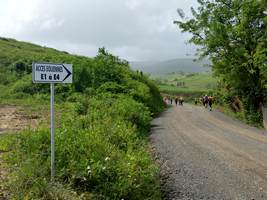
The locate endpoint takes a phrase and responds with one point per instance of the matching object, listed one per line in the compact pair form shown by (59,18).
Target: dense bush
(101,152)
(237,106)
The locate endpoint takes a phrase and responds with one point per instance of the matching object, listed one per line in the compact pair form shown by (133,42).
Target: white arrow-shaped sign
(51,73)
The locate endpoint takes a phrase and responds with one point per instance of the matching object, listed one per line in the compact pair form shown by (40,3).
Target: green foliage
(101,153)
(195,84)
(112,87)
(109,68)
(124,108)
(25,85)
(6,141)
(233,35)
(82,105)
(101,150)
(192,81)
(152,99)
(6,77)
(232,105)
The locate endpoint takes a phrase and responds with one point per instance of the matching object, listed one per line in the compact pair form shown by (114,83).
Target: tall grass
(100,152)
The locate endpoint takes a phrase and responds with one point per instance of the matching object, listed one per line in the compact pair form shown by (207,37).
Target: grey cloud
(133,29)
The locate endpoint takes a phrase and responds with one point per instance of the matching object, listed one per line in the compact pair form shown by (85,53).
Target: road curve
(207,155)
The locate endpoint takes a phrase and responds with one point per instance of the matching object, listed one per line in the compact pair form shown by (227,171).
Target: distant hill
(174,65)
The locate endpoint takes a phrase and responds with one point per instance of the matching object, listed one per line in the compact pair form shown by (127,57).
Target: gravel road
(207,155)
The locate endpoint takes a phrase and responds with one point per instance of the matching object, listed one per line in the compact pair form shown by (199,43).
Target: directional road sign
(51,73)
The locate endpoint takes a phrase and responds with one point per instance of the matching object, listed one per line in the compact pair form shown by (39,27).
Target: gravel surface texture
(207,155)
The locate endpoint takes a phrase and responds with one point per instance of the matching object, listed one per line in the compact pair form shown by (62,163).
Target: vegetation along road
(207,155)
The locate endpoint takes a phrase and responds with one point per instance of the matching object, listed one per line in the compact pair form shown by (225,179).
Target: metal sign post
(52,73)
(52,115)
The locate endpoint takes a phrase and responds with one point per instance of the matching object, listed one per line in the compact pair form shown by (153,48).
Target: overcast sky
(135,30)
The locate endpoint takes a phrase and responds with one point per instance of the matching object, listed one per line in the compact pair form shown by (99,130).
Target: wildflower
(89,171)
(107,158)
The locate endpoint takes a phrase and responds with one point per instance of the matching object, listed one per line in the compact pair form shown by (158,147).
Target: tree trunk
(253,109)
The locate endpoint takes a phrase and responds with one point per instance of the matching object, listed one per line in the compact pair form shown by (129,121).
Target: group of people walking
(179,100)
(206,100)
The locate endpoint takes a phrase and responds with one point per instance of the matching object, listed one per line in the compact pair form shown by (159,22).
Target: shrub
(100,153)
(26,86)
(81,106)
(112,87)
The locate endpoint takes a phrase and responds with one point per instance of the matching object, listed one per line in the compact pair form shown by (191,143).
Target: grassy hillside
(16,64)
(102,121)
(183,64)
(186,83)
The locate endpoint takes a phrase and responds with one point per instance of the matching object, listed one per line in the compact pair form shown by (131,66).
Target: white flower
(89,171)
(104,168)
(107,158)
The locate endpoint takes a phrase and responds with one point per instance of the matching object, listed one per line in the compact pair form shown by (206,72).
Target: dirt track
(207,155)
(12,119)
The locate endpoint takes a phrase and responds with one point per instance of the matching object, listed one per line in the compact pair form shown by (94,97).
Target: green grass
(5,141)
(177,90)
(190,81)
(190,85)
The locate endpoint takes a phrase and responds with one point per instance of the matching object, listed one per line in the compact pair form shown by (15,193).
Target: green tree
(233,35)
(109,68)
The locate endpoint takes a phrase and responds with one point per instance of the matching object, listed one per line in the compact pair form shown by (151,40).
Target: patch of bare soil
(13,119)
